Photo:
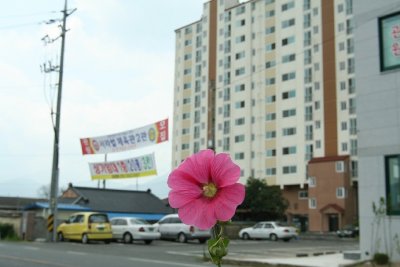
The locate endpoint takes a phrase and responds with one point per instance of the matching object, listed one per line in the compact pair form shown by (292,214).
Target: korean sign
(134,167)
(389,41)
(150,134)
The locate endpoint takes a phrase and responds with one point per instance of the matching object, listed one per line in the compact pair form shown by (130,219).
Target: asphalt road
(158,254)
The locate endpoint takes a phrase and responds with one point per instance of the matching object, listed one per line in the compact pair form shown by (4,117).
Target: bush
(381,258)
(7,231)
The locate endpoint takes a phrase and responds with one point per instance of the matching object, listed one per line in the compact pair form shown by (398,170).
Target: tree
(263,202)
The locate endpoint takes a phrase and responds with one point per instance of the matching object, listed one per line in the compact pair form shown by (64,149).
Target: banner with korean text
(134,167)
(148,135)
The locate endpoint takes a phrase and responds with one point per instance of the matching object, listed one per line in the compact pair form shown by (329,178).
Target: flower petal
(224,171)
(179,199)
(199,213)
(198,165)
(227,200)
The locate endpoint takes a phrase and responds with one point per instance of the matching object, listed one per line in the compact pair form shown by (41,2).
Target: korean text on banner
(148,135)
(128,168)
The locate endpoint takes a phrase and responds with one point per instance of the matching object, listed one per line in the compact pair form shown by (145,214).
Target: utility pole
(55,169)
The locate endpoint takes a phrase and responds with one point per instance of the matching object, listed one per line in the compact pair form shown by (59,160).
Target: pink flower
(205,190)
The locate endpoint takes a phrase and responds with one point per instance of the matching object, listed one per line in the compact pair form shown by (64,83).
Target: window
(270,134)
(303,194)
(289,150)
(289,113)
(289,58)
(239,87)
(271,153)
(288,131)
(312,182)
(270,117)
(269,64)
(289,94)
(270,30)
(239,138)
(288,6)
(288,23)
(239,71)
(240,55)
(270,171)
(185,146)
(340,192)
(240,39)
(287,41)
(270,99)
(240,121)
(270,47)
(289,76)
(289,169)
(239,155)
(239,104)
(339,166)
(312,203)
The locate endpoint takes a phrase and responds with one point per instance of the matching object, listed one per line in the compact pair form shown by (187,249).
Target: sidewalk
(327,260)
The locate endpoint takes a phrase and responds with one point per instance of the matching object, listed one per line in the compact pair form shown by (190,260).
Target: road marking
(165,262)
(76,253)
(41,262)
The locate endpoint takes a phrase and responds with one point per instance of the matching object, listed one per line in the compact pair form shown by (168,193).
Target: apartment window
(289,94)
(340,192)
(344,147)
(350,65)
(312,181)
(239,138)
(227,127)
(288,23)
(339,166)
(271,152)
(343,126)
(287,6)
(307,20)
(185,146)
(340,8)
(306,5)
(241,22)
(196,147)
(270,117)
(287,41)
(312,203)
(270,30)
(240,121)
(270,134)
(392,170)
(289,113)
(240,39)
(289,131)
(318,144)
(225,144)
(270,171)
(270,47)
(185,116)
(289,150)
(307,57)
(343,105)
(188,30)
(185,131)
(240,55)
(239,71)
(239,88)
(289,169)
(307,38)
(349,7)
(352,106)
(270,13)
(270,81)
(188,42)
(308,113)
(352,85)
(288,58)
(353,126)
(308,94)
(270,99)
(289,76)
(186,101)
(308,75)
(353,147)
(187,85)
(350,46)
(270,64)
(240,10)
(303,194)
(239,155)
(240,104)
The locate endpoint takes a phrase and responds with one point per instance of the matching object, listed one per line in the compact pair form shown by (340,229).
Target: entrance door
(333,222)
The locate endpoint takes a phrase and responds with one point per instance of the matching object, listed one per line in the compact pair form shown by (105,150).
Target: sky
(118,76)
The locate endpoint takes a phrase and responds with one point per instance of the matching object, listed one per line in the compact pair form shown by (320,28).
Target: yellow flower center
(209,190)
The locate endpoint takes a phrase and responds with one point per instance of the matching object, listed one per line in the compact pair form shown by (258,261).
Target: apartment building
(272,83)
(377,43)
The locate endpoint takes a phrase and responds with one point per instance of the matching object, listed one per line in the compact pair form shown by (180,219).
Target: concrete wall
(378,112)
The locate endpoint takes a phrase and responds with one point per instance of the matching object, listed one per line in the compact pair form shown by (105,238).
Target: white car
(129,229)
(269,230)
(171,227)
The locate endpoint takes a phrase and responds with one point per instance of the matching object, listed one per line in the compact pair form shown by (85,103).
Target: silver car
(269,230)
(171,227)
(129,229)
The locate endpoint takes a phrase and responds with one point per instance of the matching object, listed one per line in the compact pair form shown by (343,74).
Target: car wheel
(85,239)
(148,242)
(127,238)
(273,237)
(60,236)
(182,238)
(246,236)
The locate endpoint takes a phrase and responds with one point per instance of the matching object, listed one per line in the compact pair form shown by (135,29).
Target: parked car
(129,229)
(85,226)
(171,227)
(269,230)
(348,231)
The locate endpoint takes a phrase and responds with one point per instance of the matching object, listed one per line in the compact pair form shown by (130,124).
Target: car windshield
(138,221)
